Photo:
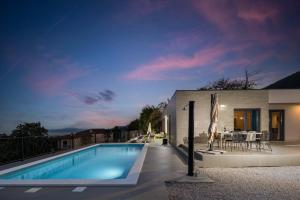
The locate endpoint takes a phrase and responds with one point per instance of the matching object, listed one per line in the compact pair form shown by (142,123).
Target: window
(247,119)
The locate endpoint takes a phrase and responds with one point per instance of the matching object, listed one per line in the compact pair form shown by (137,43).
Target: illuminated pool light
(111,173)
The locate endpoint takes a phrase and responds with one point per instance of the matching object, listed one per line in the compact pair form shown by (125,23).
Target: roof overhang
(284,96)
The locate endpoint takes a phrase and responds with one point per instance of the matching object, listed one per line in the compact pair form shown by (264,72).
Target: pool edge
(131,179)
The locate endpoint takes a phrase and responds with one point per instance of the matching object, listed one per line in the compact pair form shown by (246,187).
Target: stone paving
(276,183)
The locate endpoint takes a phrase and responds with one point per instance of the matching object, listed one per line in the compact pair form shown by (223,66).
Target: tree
(155,119)
(27,140)
(228,84)
(134,125)
(163,104)
(29,129)
(150,114)
(116,133)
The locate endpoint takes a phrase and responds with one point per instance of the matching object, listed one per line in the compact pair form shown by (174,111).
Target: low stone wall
(228,161)
(204,160)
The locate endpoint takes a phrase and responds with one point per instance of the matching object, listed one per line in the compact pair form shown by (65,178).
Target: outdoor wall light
(298,109)
(185,107)
(222,106)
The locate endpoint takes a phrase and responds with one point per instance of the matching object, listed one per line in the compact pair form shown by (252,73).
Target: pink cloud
(220,13)
(245,61)
(218,57)
(181,41)
(242,20)
(228,14)
(93,119)
(155,70)
(258,12)
(50,75)
(50,83)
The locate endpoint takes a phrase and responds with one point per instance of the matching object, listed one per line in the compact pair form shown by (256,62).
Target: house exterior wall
(292,120)
(284,96)
(230,100)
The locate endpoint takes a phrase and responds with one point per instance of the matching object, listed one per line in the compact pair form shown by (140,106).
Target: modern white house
(275,109)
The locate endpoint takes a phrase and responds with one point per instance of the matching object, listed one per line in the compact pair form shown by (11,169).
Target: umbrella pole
(191,139)
(211,146)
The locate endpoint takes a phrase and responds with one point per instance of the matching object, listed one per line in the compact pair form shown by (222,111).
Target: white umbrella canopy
(212,129)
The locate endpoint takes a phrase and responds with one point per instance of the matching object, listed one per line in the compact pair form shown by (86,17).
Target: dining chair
(227,140)
(218,139)
(251,137)
(238,140)
(265,140)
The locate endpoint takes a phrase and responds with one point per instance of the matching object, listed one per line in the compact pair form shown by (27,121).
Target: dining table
(238,132)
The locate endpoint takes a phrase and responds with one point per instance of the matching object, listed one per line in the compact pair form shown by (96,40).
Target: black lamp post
(191,140)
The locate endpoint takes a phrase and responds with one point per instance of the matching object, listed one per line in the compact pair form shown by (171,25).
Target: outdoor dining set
(244,140)
(238,140)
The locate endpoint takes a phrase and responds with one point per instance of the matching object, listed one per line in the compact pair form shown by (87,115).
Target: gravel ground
(282,183)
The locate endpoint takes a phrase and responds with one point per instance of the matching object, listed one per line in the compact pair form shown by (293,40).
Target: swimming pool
(102,164)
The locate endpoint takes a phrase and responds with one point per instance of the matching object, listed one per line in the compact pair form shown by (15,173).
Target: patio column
(166,124)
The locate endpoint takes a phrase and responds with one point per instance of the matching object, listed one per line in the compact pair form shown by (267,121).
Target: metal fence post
(72,140)
(22,147)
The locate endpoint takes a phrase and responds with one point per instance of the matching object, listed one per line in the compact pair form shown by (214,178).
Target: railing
(14,149)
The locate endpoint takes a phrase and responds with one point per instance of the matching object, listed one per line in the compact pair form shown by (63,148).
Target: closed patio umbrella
(149,132)
(212,129)
(149,128)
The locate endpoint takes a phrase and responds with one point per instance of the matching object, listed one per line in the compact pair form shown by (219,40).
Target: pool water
(107,161)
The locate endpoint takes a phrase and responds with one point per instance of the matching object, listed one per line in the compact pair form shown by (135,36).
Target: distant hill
(64,131)
(290,82)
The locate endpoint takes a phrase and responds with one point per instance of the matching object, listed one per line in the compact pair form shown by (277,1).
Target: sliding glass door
(276,125)
(247,119)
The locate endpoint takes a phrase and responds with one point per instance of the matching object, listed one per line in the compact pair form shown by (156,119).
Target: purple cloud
(107,95)
(90,100)
(103,96)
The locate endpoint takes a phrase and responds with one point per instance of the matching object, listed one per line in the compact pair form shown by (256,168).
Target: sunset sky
(93,64)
